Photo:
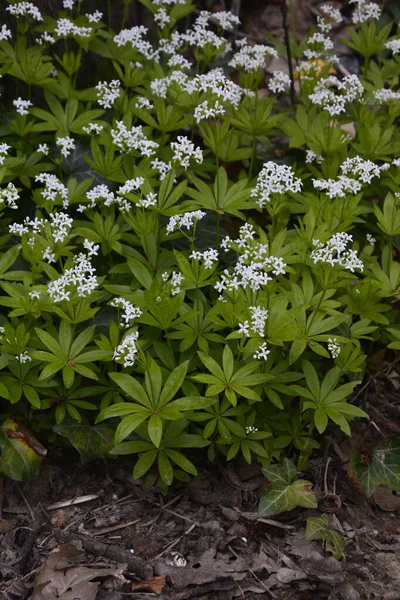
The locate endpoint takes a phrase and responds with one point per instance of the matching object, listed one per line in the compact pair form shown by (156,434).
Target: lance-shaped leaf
(285,492)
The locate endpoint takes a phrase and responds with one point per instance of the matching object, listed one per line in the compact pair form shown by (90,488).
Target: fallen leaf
(6,525)
(155,585)
(286,575)
(386,500)
(21,452)
(62,578)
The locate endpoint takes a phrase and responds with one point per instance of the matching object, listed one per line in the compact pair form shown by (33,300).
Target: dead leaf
(325,568)
(6,525)
(386,500)
(286,575)
(155,585)
(61,578)
(16,430)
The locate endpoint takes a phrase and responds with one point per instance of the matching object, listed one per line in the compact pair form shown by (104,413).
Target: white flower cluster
(279,82)
(34,295)
(127,350)
(129,314)
(107,93)
(313,157)
(43,148)
(161,18)
(143,102)
(21,228)
(61,225)
(200,35)
(363,170)
(185,221)
(318,46)
(91,247)
(333,347)
(79,278)
(175,282)
(274,179)
(335,103)
(4,148)
(335,252)
(93,128)
(225,19)
(24,357)
(338,188)
(67,144)
(184,150)
(45,38)
(9,196)
(66,27)
(331,16)
(252,58)
(94,17)
(132,139)
(257,322)
(5,33)
(209,257)
(370,239)
(251,429)
(68,4)
(53,188)
(162,167)
(365,11)
(134,37)
(394,46)
(205,111)
(252,267)
(147,201)
(262,352)
(25,9)
(386,95)
(21,106)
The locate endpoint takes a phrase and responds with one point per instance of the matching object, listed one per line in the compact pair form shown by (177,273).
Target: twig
(114,527)
(326,491)
(285,25)
(73,501)
(173,544)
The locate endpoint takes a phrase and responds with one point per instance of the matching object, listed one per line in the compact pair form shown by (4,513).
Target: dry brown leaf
(386,500)
(6,525)
(155,585)
(61,578)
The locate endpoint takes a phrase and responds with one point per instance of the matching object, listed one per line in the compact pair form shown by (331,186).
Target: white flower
(386,95)
(312,156)
(365,11)
(162,167)
(127,350)
(251,429)
(49,256)
(393,45)
(187,220)
(335,252)
(93,128)
(107,93)
(9,196)
(331,16)
(132,139)
(24,357)
(43,148)
(209,257)
(66,144)
(338,188)
(258,319)
(95,17)
(147,201)
(53,188)
(225,19)
(66,27)
(279,82)
(333,347)
(68,4)
(274,179)
(262,352)
(205,111)
(143,102)
(184,150)
(363,170)
(80,279)
(370,239)
(5,33)
(25,9)
(45,38)
(21,106)
(4,148)
(134,37)
(335,103)
(161,18)
(91,247)
(252,58)
(244,328)
(129,314)
(61,225)
(34,295)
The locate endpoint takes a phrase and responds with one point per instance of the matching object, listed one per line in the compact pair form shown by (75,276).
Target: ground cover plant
(196,258)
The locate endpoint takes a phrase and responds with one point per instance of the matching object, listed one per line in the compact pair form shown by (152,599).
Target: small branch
(285,25)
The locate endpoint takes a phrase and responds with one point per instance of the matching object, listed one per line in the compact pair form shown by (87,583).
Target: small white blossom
(49,256)
(386,95)
(279,82)
(312,156)
(335,252)
(185,221)
(132,139)
(205,111)
(147,201)
(25,9)
(61,225)
(53,188)
(80,279)
(333,347)
(67,144)
(34,295)
(68,4)
(258,319)
(184,150)
(262,352)
(161,18)
(91,247)
(244,328)
(43,148)
(162,167)
(394,46)
(107,93)
(338,188)
(252,58)
(93,128)
(209,257)
(45,38)
(143,102)
(66,27)
(134,37)
(94,17)
(365,11)
(349,89)
(4,148)
(24,357)
(363,170)
(370,239)
(22,106)
(129,313)
(127,350)
(274,179)
(251,429)
(5,33)
(9,196)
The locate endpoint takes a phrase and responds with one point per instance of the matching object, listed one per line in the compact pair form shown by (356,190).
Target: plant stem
(285,25)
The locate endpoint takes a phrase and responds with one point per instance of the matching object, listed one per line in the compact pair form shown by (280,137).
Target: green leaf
(8,258)
(129,424)
(383,466)
(284,493)
(90,441)
(192,403)
(311,378)
(155,429)
(212,366)
(181,461)
(50,343)
(165,468)
(131,387)
(173,383)
(81,341)
(318,528)
(144,463)
(21,453)
(228,362)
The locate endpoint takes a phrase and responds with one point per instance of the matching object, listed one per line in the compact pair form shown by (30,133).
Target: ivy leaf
(383,466)
(285,492)
(21,453)
(318,528)
(90,441)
